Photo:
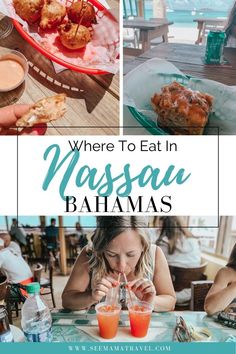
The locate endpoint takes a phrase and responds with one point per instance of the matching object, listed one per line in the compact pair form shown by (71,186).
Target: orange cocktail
(108,318)
(140,317)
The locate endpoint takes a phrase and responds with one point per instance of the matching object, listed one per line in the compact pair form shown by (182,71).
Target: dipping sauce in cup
(140,316)
(108,319)
(13,70)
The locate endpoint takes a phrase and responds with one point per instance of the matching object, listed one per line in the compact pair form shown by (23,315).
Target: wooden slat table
(189,59)
(149,29)
(92,101)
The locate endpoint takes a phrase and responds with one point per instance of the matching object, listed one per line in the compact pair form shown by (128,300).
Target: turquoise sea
(181,18)
(185,18)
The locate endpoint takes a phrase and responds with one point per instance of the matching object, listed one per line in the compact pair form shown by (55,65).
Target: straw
(117,289)
(126,283)
(113,293)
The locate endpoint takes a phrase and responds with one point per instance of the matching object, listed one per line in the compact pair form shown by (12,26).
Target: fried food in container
(74,36)
(182,110)
(53,13)
(83,13)
(28,10)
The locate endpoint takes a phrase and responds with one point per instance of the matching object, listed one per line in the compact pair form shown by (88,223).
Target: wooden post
(42,222)
(63,264)
(7,224)
(140,8)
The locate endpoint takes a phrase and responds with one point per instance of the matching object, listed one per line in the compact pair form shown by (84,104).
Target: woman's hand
(143,289)
(101,287)
(10,114)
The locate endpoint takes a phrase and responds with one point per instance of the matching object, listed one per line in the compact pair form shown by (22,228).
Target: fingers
(10,114)
(142,285)
(21,109)
(104,283)
(102,286)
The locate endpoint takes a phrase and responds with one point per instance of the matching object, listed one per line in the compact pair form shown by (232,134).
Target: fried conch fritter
(82,12)
(28,10)
(52,15)
(44,111)
(73,36)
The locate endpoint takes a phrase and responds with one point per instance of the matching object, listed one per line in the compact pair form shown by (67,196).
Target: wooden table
(81,326)
(149,29)
(209,22)
(92,101)
(188,59)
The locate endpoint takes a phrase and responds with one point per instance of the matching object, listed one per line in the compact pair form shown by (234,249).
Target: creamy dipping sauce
(11,74)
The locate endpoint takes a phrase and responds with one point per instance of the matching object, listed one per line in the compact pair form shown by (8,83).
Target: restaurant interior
(214,244)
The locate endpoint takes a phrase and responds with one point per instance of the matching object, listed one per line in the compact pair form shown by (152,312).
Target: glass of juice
(108,318)
(140,316)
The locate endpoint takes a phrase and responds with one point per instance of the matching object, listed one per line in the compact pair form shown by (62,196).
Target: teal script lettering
(107,182)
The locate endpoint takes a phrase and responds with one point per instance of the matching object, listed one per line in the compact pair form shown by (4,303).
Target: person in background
(154,229)
(230,28)
(81,236)
(9,244)
(51,237)
(180,248)
(14,266)
(222,294)
(78,229)
(18,233)
(120,245)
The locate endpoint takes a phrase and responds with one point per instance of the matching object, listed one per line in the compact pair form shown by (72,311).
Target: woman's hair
(232,258)
(173,229)
(230,20)
(108,228)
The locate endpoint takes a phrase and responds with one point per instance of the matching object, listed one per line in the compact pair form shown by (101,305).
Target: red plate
(54,58)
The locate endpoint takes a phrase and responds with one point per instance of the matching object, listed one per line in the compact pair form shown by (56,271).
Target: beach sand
(186,35)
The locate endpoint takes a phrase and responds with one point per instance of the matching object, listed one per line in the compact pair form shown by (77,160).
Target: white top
(15,248)
(14,266)
(186,255)
(153,234)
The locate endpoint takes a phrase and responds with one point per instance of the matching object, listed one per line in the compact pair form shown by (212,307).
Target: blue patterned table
(81,326)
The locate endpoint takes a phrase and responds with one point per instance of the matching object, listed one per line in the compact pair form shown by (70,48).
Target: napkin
(123,334)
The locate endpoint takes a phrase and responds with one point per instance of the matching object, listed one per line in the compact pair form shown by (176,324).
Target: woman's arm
(221,293)
(75,295)
(166,299)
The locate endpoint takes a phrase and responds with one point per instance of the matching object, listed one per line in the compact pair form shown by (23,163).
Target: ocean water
(181,18)
(185,18)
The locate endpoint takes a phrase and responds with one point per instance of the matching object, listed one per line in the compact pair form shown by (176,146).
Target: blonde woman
(120,244)
(222,294)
